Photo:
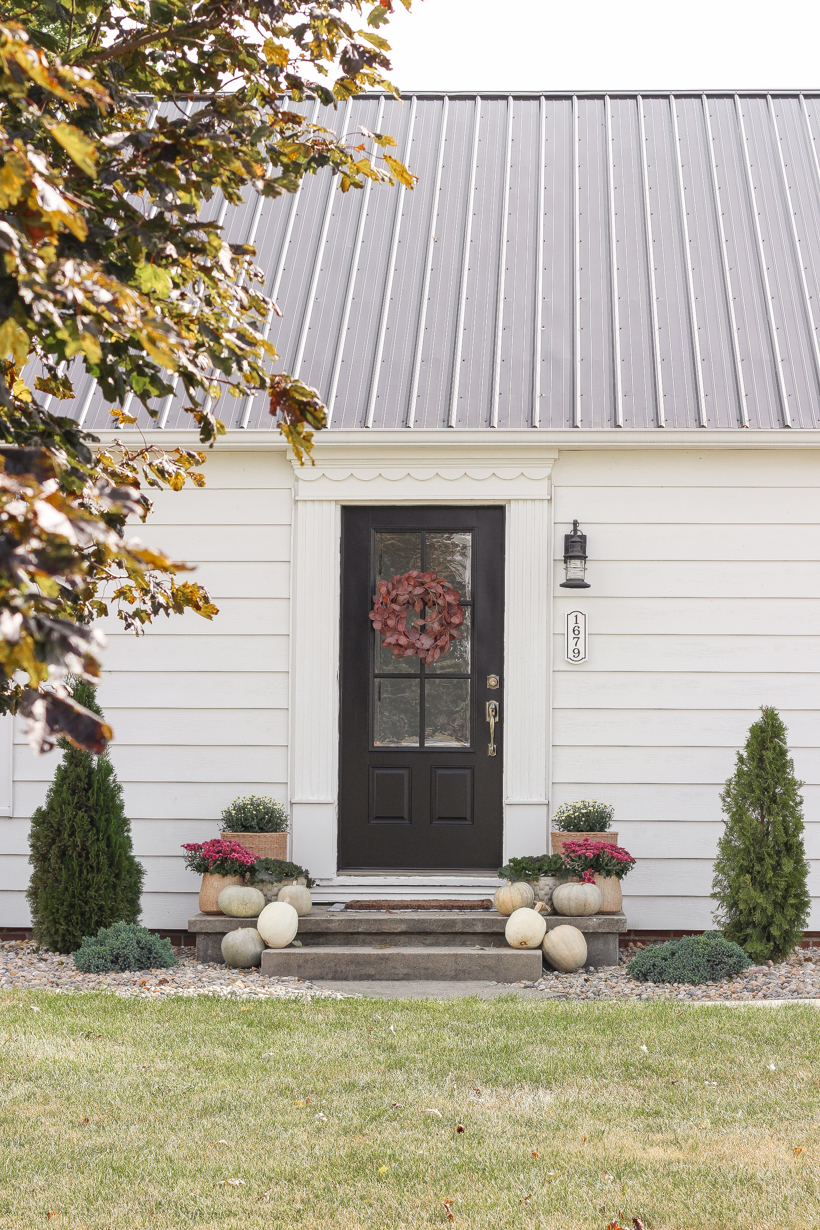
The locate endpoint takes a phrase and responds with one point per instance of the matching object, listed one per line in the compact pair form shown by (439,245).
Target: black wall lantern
(575,559)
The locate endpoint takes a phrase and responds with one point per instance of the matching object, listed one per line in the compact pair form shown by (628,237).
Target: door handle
(492,717)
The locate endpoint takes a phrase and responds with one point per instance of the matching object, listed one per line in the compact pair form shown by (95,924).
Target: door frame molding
(393,470)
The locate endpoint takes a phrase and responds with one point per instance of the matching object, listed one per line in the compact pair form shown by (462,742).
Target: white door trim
(517,476)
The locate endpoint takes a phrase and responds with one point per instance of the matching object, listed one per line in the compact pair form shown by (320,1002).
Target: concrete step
(424,928)
(450,963)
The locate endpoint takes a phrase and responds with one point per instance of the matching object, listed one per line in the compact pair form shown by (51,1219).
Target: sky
(605,44)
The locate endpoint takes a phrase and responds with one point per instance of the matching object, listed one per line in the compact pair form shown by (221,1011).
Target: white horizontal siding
(199,708)
(704,604)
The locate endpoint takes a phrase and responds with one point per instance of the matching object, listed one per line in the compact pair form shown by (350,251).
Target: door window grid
(409,698)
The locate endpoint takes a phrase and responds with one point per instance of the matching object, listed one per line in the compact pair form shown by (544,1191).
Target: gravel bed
(21,965)
(798,977)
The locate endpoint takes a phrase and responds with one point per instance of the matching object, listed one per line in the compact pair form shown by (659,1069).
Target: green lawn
(123,1113)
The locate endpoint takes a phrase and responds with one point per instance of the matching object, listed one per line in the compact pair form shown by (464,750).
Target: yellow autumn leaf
(21,390)
(400,171)
(152,279)
(14,342)
(13,180)
(77,145)
(275,53)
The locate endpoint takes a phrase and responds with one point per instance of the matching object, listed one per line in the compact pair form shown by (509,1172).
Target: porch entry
(420,759)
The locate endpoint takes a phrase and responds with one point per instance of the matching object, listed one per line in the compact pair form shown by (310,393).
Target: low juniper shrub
(124,946)
(694,959)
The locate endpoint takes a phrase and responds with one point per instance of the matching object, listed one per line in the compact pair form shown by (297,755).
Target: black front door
(420,778)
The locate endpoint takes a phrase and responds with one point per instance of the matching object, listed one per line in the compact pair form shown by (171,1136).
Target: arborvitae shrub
(123,946)
(84,872)
(694,959)
(760,871)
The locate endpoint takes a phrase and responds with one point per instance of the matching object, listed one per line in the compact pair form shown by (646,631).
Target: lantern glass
(575,569)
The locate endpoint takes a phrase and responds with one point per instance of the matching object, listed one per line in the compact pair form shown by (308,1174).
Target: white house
(591,308)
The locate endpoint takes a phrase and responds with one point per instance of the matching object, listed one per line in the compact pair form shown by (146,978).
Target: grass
(118,1113)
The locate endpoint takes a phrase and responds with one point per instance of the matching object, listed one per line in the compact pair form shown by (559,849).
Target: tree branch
(191,28)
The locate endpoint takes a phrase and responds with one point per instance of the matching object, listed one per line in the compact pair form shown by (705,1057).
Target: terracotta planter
(212,886)
(557,839)
(613,898)
(263,845)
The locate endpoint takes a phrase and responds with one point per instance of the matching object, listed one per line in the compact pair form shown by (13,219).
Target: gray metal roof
(564,261)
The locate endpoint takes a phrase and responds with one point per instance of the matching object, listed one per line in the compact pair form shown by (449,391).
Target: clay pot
(212,886)
(263,845)
(557,839)
(611,894)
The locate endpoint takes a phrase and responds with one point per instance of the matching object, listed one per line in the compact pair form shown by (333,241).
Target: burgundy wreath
(428,638)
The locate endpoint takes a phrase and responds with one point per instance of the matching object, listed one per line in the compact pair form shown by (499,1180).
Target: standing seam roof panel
(354,267)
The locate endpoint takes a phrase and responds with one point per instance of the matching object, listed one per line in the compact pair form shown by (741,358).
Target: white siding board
(194,689)
(254,579)
(14,909)
(691,765)
(153,800)
(684,913)
(696,579)
(673,728)
(195,543)
(208,506)
(159,651)
(170,764)
(701,690)
(702,616)
(739,543)
(170,910)
(195,726)
(579,469)
(661,801)
(699,653)
(237,617)
(634,506)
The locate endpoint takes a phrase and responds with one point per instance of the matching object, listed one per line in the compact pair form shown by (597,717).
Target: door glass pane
(396,712)
(450,555)
(457,659)
(447,712)
(387,663)
(396,552)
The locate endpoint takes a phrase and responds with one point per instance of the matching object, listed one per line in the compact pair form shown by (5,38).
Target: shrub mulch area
(798,977)
(21,965)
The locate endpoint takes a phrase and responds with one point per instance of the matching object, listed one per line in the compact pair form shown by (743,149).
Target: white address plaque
(576,637)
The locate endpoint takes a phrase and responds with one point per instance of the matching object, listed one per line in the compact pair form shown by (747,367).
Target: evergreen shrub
(125,946)
(84,874)
(694,959)
(255,814)
(760,880)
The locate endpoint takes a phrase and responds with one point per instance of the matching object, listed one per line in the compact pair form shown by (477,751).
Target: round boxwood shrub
(255,814)
(694,959)
(125,946)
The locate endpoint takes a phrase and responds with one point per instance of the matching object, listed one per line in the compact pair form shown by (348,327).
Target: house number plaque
(576,637)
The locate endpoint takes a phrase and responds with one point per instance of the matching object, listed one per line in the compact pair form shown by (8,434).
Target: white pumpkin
(513,897)
(237,901)
(565,948)
(577,900)
(242,948)
(525,928)
(298,896)
(278,924)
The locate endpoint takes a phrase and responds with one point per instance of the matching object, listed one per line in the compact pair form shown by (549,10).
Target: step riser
(601,949)
(401,964)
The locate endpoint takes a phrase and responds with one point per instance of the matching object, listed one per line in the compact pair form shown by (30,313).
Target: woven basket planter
(557,839)
(263,845)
